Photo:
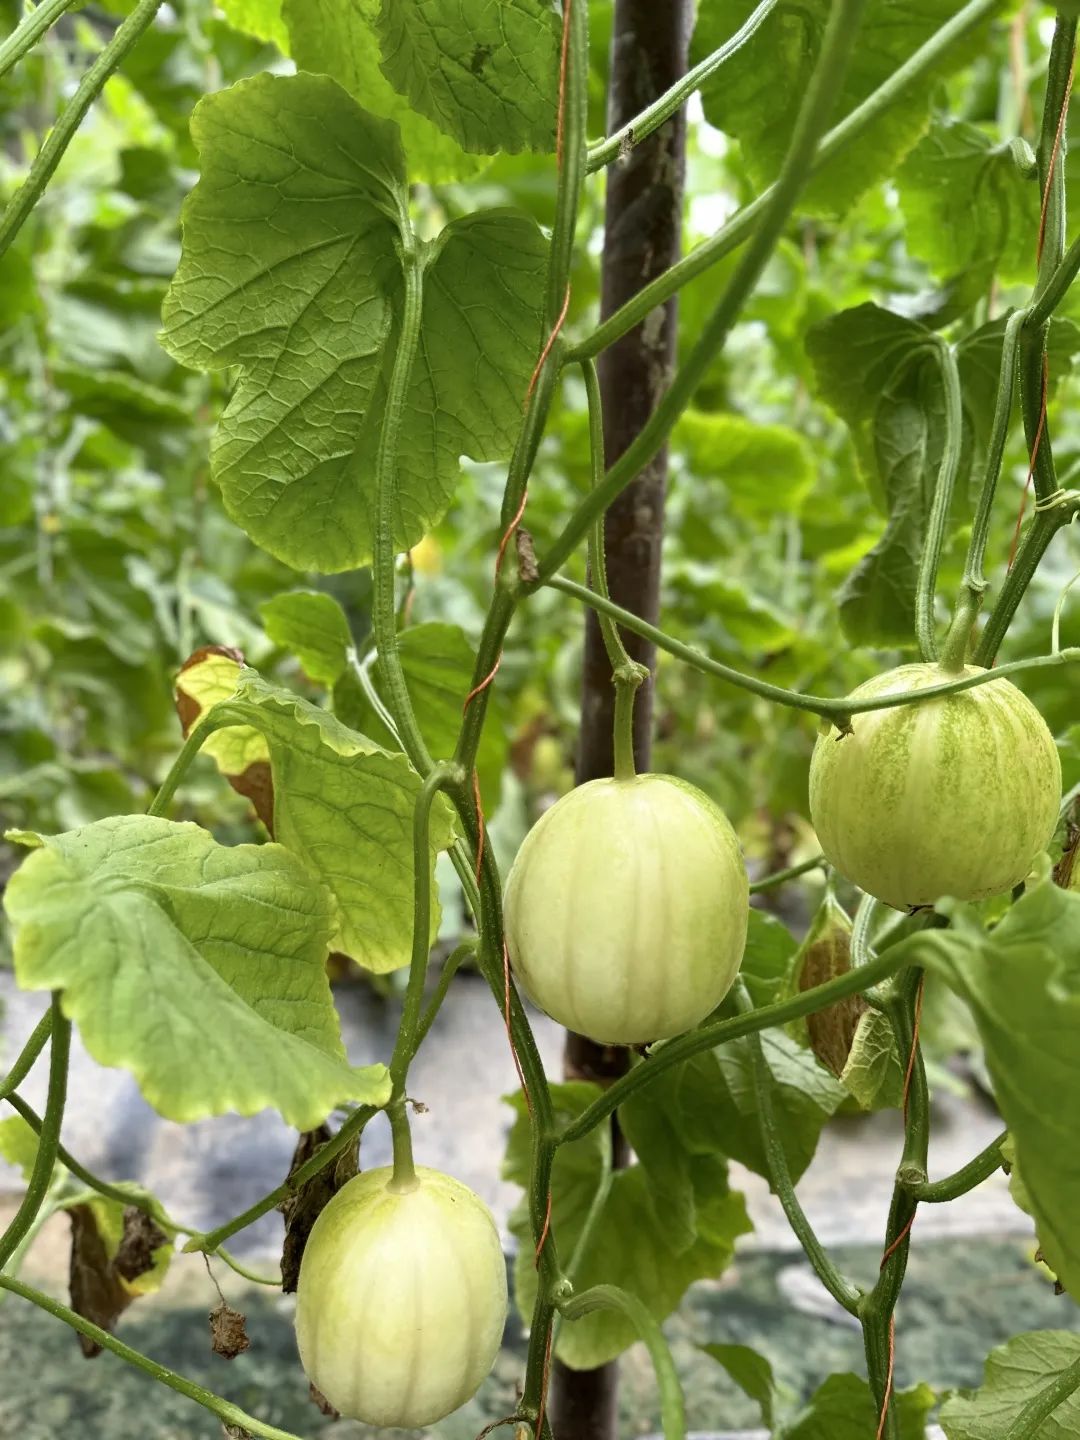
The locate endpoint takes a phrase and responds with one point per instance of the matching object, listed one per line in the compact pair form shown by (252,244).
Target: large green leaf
(345,806)
(290,271)
(763,468)
(751,1372)
(708,1105)
(198,967)
(631,1244)
(1015,1373)
(757,93)
(261,18)
(966,204)
(766,962)
(485,71)
(881,373)
(843,1409)
(1021,980)
(338,38)
(313,626)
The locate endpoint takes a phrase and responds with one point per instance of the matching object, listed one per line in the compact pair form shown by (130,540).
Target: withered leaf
(302,1207)
(97,1291)
(823,956)
(141,1238)
(205,677)
(228,1337)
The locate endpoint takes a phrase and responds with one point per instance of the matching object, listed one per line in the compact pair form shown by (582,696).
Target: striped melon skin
(954,797)
(401,1301)
(626,909)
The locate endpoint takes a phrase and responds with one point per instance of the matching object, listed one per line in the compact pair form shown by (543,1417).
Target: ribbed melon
(401,1301)
(956,796)
(626,909)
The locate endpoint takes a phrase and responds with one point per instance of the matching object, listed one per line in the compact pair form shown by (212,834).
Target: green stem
(1033,547)
(779,877)
(877,1310)
(384,610)
(1033,343)
(29,1053)
(626,689)
(611,1297)
(60,136)
(1053,145)
(840,1288)
(1053,290)
(837,711)
(913,72)
(404,1177)
(572,169)
(122,1195)
(92,1181)
(974,581)
(211,1240)
(984,1164)
(440,778)
(938,522)
(618,144)
(627,674)
(1028,1424)
(1036,421)
(49,1137)
(596,1205)
(718,1032)
(825,83)
(954,652)
(450,968)
(609,631)
(214,719)
(29,31)
(230,1414)
(228,1258)
(507,585)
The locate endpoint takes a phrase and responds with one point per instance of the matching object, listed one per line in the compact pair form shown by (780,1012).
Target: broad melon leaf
(261,18)
(345,807)
(757,93)
(965,203)
(485,71)
(338,38)
(751,1372)
(334,798)
(874,1074)
(762,468)
(1015,1373)
(313,626)
(1021,981)
(843,1409)
(290,270)
(632,1244)
(198,967)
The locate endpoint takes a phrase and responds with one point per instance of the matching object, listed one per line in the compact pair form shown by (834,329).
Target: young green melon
(401,1301)
(956,796)
(626,909)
